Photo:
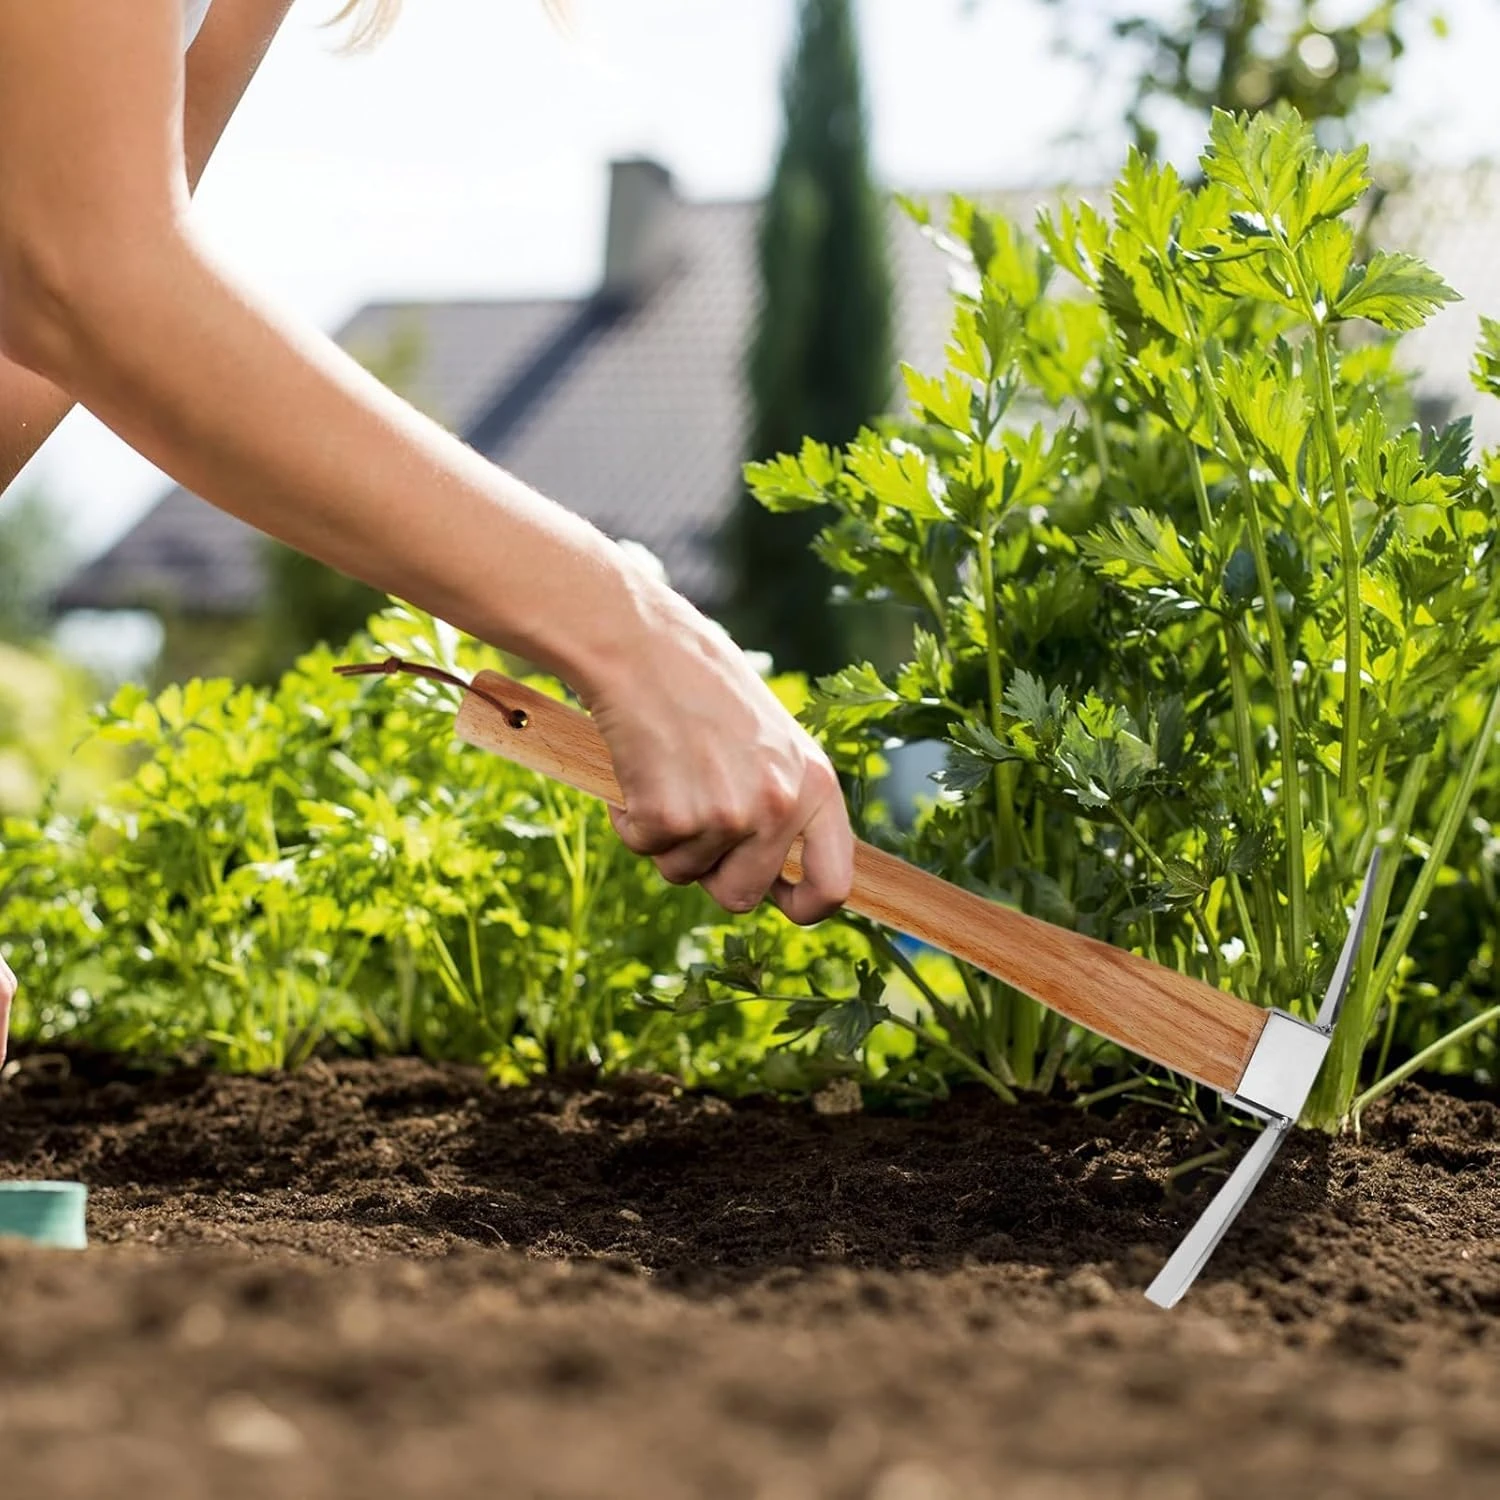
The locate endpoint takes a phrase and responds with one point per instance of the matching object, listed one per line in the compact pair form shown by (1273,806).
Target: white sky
(468,155)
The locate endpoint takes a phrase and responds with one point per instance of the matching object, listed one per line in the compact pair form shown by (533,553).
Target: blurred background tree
(821,360)
(1185,57)
(33,557)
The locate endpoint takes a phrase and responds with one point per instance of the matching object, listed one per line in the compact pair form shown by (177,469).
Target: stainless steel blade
(1338,986)
(1203,1238)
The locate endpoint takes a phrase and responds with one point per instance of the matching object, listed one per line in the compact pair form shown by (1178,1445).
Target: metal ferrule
(1282,1069)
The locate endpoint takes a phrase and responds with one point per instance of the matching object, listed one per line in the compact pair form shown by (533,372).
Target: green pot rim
(45,1213)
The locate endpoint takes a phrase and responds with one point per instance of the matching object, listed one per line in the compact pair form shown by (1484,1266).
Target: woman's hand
(718,777)
(7,994)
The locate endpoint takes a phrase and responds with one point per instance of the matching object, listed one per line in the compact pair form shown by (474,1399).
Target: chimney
(639,242)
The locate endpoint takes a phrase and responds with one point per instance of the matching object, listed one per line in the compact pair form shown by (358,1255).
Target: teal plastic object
(46,1213)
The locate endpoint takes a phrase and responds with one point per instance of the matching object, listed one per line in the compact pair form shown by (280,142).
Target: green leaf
(1448,452)
(1324,257)
(1142,549)
(1250,226)
(743,969)
(930,673)
(979,739)
(1259,159)
(1378,592)
(1078,238)
(847,1024)
(1027,697)
(963,772)
(1395,290)
(1148,200)
(850,699)
(915,209)
(1033,463)
(898,475)
(1067,342)
(973,752)
(1487,357)
(788,483)
(946,400)
(1368,469)
(1332,185)
(1241,581)
(1012,265)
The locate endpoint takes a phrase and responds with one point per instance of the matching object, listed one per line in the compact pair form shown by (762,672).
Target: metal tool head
(1343,970)
(1274,1086)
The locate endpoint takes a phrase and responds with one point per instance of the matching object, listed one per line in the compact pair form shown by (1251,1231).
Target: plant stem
(1120,1086)
(1206,1159)
(1252,947)
(1377,776)
(1349,556)
(1390,1034)
(1052,1062)
(967,1063)
(964,1061)
(1437,855)
(1414,1064)
(949,1018)
(1101,448)
(1155,860)
(1005,833)
(1286,729)
(1349,562)
(1281,677)
(1340,1075)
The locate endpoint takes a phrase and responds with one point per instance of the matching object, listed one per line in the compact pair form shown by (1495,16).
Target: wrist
(602,624)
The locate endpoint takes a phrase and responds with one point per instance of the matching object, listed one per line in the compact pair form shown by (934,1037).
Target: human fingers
(681,861)
(827,863)
(752,870)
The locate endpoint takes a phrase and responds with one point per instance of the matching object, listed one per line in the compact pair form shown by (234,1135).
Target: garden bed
(388,1279)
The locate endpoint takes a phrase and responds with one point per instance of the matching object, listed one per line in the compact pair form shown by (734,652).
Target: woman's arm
(220,66)
(105,291)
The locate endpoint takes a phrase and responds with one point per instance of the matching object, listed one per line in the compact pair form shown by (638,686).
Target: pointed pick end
(1338,986)
(1200,1242)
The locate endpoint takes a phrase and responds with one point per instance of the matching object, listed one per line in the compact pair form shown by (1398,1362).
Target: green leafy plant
(44,712)
(322,864)
(1200,615)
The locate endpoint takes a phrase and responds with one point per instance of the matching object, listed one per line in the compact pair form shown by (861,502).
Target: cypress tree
(820,364)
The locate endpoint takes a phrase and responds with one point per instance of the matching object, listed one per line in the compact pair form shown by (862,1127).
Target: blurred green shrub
(44,713)
(321,863)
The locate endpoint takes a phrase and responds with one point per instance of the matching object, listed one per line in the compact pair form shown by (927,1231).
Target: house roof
(633,412)
(186,555)
(630,413)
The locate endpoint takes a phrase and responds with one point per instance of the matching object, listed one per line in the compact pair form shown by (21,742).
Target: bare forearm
(218,70)
(281,428)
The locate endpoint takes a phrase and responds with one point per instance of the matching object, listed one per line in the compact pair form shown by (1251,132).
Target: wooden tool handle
(1168,1017)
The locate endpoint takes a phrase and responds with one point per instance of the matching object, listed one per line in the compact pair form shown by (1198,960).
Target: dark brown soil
(382,1280)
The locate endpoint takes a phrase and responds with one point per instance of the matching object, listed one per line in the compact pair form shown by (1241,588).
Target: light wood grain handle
(1168,1017)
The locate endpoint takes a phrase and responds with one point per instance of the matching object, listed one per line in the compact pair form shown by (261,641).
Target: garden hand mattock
(1263,1061)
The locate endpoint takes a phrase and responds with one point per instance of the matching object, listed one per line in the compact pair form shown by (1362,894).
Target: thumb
(621,821)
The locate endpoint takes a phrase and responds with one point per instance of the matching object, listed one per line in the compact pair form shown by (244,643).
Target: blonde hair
(370,20)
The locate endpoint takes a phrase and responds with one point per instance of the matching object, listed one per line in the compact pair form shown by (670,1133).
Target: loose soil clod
(388,1279)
